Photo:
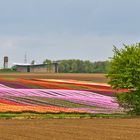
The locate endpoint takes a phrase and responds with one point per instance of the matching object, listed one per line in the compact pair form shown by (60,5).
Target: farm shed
(48,68)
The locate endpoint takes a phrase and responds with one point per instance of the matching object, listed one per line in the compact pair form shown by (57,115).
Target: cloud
(64,29)
(57,47)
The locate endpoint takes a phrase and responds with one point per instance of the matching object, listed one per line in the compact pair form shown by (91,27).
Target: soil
(75,76)
(70,129)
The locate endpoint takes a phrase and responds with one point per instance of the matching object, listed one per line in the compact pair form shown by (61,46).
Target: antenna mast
(25,58)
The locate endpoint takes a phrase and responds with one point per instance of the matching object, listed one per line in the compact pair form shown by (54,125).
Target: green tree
(80,66)
(33,62)
(49,64)
(125,73)
(61,68)
(74,67)
(47,61)
(101,66)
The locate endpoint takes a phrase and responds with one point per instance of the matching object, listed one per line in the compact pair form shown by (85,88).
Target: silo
(5,62)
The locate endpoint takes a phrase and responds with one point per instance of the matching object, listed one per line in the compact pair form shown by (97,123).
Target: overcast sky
(66,29)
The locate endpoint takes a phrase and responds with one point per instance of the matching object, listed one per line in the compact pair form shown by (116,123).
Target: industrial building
(25,67)
(48,68)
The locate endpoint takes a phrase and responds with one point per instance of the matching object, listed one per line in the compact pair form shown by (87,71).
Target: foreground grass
(32,115)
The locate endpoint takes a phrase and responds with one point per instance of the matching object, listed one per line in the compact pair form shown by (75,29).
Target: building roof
(27,64)
(21,64)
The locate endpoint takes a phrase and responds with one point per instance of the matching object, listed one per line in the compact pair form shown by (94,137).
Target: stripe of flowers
(12,99)
(94,97)
(103,111)
(76,82)
(25,81)
(3,86)
(105,101)
(31,101)
(5,108)
(10,102)
(13,85)
(80,97)
(47,91)
(35,93)
(41,107)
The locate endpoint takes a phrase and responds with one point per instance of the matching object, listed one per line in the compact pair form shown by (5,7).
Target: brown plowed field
(70,129)
(75,76)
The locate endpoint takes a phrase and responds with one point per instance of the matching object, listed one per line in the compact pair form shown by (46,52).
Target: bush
(125,73)
(130,101)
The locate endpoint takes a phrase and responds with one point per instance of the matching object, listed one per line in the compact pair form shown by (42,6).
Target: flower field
(56,96)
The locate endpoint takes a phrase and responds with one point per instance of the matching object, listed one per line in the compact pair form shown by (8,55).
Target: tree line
(80,66)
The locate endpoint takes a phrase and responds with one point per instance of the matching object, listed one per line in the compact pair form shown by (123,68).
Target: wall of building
(37,68)
(21,69)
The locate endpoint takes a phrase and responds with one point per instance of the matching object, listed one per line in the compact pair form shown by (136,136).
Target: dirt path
(70,129)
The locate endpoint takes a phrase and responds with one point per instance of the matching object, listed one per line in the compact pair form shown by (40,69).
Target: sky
(66,29)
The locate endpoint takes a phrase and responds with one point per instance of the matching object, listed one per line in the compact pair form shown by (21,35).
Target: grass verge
(33,115)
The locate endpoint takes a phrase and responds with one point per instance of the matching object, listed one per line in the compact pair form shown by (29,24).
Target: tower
(25,58)
(5,65)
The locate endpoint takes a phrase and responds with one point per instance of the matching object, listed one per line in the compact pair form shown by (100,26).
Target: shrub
(125,73)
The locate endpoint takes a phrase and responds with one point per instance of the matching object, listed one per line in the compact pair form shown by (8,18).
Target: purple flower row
(83,97)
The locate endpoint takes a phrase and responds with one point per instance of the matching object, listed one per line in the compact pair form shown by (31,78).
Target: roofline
(25,65)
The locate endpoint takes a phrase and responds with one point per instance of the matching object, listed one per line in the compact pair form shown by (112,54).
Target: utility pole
(25,58)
